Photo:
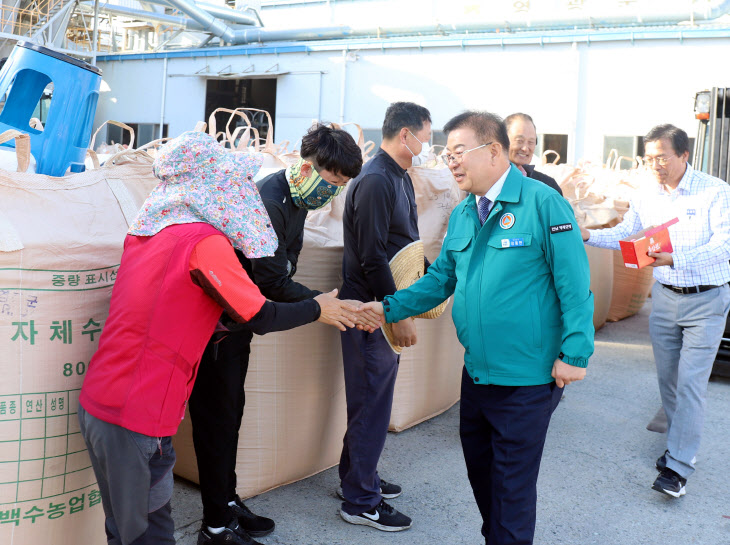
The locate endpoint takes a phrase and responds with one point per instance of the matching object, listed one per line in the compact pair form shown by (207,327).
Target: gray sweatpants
(134,473)
(686,331)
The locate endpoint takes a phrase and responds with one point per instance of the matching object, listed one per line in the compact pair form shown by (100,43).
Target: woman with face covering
(178,273)
(329,158)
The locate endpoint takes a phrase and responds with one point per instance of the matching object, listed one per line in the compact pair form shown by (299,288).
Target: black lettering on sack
(562,228)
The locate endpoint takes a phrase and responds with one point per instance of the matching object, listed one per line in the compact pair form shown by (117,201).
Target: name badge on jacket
(512,242)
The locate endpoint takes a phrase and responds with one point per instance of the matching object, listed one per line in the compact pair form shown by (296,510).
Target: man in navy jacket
(380,218)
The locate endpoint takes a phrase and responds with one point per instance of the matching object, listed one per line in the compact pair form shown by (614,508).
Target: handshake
(344,313)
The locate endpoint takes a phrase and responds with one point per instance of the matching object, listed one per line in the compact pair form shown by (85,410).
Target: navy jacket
(380,218)
(273,275)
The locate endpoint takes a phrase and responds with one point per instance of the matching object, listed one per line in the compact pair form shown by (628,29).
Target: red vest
(159,323)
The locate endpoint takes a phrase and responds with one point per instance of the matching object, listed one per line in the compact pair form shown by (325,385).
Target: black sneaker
(669,482)
(254,525)
(383,517)
(387,490)
(661,462)
(233,534)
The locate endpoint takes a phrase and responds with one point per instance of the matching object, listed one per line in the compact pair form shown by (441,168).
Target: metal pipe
(494,40)
(208,23)
(162,100)
(243,36)
(152,17)
(96,32)
(221,12)
(228,14)
(205,19)
(343,82)
(319,93)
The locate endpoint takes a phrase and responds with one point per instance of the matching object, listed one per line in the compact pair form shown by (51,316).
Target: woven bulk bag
(631,287)
(600,262)
(60,247)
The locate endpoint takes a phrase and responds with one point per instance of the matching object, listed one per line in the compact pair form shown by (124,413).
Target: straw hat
(406,268)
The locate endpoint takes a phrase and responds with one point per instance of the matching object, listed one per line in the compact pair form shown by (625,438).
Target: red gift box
(655,239)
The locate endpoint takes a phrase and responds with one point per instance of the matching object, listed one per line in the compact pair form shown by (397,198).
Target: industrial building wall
(586,91)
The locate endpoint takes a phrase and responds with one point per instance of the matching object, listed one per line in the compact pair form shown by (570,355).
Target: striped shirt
(701,238)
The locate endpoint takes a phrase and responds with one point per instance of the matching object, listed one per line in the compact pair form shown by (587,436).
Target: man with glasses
(522,141)
(691,296)
(514,261)
(380,219)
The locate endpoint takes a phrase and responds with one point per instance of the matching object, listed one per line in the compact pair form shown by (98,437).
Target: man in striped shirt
(691,296)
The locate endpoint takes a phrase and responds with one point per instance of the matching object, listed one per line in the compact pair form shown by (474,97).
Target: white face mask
(422,157)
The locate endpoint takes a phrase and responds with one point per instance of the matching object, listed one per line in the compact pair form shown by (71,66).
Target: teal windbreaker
(521,286)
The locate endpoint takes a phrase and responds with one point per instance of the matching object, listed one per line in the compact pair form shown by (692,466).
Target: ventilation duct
(500,17)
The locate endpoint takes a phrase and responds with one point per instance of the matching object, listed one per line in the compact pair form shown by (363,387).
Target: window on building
(625,146)
(242,93)
(630,146)
(552,142)
(376,135)
(438,138)
(555,142)
(144,133)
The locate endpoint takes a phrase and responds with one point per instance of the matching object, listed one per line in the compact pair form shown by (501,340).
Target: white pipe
(343,81)
(208,23)
(152,17)
(96,32)
(162,100)
(319,94)
(221,12)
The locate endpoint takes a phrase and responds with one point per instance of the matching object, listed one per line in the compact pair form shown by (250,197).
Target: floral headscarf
(203,182)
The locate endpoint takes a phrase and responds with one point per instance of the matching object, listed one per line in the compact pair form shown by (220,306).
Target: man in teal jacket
(513,258)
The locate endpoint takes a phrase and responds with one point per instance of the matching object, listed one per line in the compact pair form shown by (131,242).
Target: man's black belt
(690,289)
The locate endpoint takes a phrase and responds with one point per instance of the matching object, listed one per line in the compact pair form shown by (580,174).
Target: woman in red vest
(178,274)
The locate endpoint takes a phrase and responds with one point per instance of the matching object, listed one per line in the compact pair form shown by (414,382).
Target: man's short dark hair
(514,117)
(332,149)
(678,138)
(486,126)
(404,114)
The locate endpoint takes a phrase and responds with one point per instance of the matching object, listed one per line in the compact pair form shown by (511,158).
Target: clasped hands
(344,313)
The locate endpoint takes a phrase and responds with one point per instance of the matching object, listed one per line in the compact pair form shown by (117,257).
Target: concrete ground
(595,481)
